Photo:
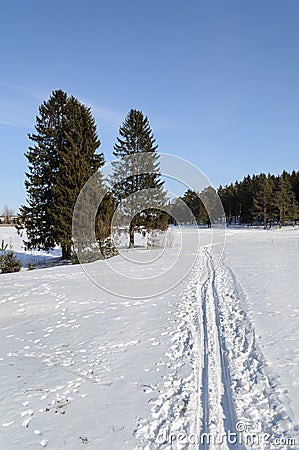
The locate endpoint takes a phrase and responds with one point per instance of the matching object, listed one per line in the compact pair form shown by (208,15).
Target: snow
(265,263)
(171,356)
(28,258)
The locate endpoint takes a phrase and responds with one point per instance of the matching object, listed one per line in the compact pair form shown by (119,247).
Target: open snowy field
(32,258)
(201,355)
(266,264)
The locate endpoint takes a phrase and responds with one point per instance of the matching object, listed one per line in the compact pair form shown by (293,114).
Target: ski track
(217,376)
(227,389)
(260,404)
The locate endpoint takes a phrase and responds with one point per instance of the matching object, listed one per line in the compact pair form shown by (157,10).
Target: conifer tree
(78,163)
(60,162)
(263,201)
(134,175)
(263,197)
(285,199)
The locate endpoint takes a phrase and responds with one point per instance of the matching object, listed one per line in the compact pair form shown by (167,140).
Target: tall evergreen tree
(285,199)
(61,160)
(134,174)
(78,163)
(265,198)
(228,196)
(194,203)
(295,184)
(263,201)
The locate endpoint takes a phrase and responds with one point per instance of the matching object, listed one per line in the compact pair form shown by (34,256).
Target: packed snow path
(218,417)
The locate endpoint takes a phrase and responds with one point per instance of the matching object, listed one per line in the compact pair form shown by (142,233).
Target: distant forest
(256,200)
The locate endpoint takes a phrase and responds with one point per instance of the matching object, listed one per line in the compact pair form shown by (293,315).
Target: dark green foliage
(189,209)
(135,172)
(104,221)
(262,199)
(61,160)
(285,199)
(202,208)
(8,261)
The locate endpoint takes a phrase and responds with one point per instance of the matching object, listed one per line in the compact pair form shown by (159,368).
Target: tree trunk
(280,218)
(66,251)
(131,234)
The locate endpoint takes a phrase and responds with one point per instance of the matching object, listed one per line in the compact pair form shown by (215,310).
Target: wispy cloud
(114,119)
(16,123)
(4,122)
(108,117)
(21,89)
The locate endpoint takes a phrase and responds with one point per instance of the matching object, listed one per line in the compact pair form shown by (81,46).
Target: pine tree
(78,163)
(212,207)
(295,183)
(8,260)
(246,199)
(60,162)
(285,199)
(136,175)
(228,196)
(104,230)
(294,210)
(263,201)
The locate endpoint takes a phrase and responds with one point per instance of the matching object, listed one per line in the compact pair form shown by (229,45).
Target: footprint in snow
(26,422)
(28,412)
(8,424)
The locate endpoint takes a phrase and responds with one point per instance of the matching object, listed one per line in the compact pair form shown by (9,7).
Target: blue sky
(218,80)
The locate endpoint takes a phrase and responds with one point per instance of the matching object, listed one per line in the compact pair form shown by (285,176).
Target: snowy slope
(82,365)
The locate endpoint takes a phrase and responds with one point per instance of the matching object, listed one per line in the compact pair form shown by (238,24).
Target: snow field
(80,365)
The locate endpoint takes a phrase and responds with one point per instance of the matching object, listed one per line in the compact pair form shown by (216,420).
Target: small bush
(8,261)
(74,258)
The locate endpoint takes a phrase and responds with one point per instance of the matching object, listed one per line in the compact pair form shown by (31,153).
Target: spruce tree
(285,199)
(78,163)
(136,171)
(263,201)
(228,196)
(60,162)
(8,260)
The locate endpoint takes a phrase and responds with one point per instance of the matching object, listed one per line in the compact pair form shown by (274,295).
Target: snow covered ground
(210,356)
(266,264)
(32,258)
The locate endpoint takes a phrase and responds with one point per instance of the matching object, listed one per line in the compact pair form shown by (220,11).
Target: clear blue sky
(219,80)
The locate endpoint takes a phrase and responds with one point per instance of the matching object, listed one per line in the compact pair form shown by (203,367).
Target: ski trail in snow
(176,410)
(218,416)
(228,385)
(260,405)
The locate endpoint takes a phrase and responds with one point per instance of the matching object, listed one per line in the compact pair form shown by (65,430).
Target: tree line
(64,155)
(258,199)
(262,199)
